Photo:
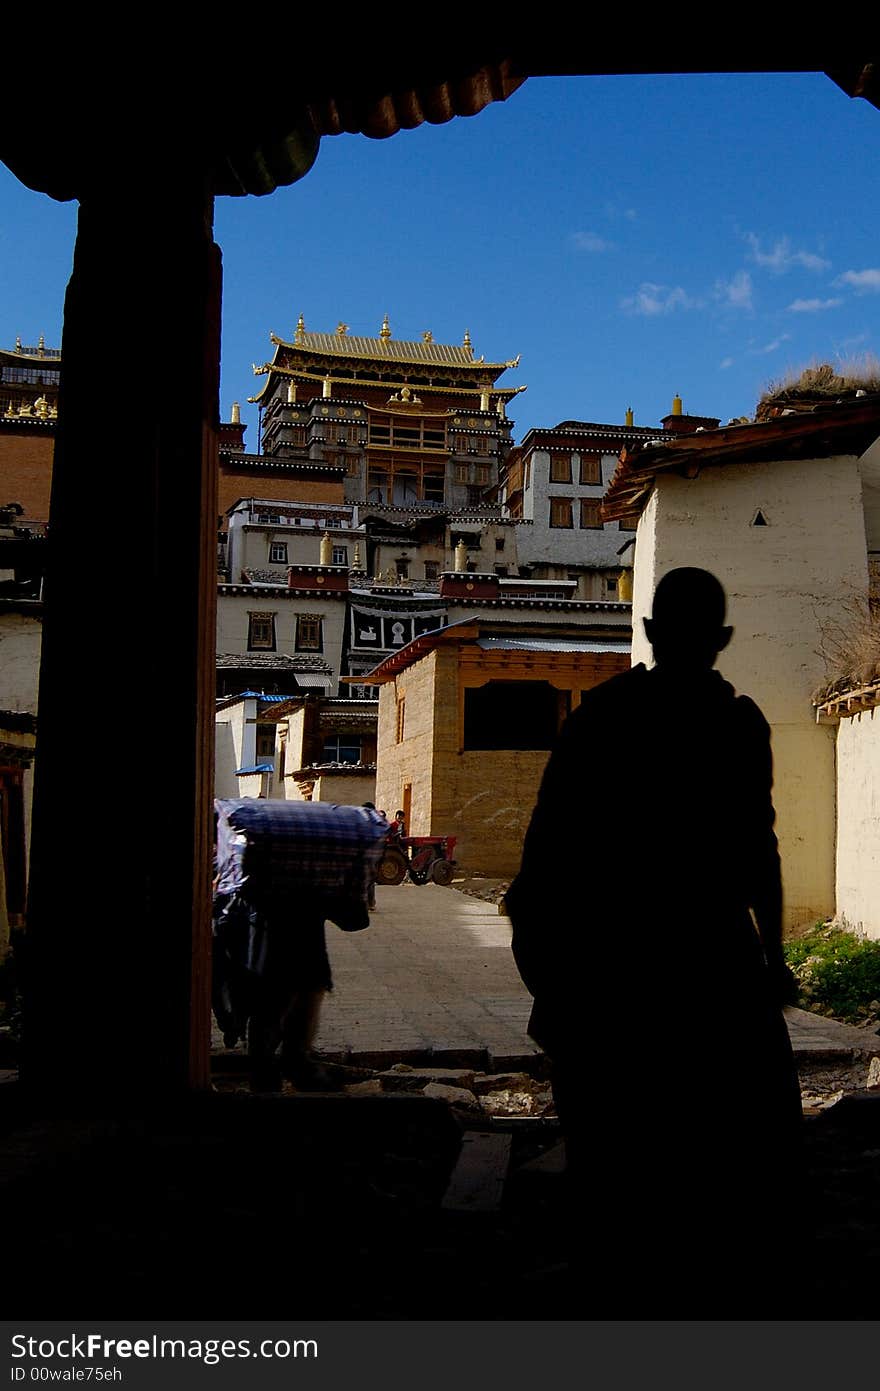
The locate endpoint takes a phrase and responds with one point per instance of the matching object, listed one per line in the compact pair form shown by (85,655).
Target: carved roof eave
(274,370)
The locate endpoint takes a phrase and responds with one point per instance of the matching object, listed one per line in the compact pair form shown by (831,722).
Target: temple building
(29,379)
(412,424)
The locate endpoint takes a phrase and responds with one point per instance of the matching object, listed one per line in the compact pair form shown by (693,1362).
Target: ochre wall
(26,469)
(234,484)
(483,797)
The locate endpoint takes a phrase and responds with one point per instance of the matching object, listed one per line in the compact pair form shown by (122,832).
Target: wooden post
(117,967)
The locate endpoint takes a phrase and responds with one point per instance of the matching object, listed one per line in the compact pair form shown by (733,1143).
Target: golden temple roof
(386,348)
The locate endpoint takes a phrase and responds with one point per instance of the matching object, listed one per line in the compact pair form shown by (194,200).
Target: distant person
(647,925)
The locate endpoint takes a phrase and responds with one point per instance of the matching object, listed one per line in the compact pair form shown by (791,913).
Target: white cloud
(612,212)
(770,347)
(735,293)
(812,306)
(651,300)
(589,241)
(725,363)
(781,258)
(862,281)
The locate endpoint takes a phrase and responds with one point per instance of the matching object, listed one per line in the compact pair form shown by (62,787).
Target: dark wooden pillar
(117,964)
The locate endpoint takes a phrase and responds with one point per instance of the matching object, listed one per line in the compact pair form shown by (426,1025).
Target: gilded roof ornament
(427,336)
(341,329)
(41,345)
(385,331)
(466,343)
(299,335)
(18,343)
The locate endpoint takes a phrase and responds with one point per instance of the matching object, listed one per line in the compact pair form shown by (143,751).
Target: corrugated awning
(554,644)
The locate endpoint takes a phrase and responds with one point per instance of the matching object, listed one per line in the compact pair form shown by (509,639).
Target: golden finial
(676,405)
(461,556)
(484,398)
(629,416)
(41,407)
(17,343)
(41,345)
(326,555)
(327,392)
(341,329)
(467,340)
(236,413)
(291,393)
(427,336)
(299,336)
(385,331)
(499,408)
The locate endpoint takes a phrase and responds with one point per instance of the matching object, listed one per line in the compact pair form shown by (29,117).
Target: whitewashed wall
(783,581)
(858,822)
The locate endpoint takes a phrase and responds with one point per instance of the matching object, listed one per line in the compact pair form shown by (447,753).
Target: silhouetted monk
(647,925)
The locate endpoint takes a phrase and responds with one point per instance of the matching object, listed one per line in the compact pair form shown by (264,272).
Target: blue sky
(630,237)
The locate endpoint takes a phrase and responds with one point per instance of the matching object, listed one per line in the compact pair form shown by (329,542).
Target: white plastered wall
(858,816)
(784,581)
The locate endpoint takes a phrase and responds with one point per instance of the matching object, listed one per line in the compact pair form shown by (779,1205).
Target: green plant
(838,973)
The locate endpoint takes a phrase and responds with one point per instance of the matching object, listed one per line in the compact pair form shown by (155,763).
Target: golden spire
(327,391)
(467,341)
(341,329)
(299,336)
(427,336)
(236,413)
(291,393)
(676,405)
(385,331)
(326,554)
(41,345)
(629,415)
(18,342)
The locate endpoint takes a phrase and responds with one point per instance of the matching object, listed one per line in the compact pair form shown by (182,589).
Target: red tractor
(420,857)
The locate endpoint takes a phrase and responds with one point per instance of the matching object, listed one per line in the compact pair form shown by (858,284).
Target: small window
(342,748)
(308,634)
(402,567)
(265,742)
(499,543)
(340,555)
(261,632)
(628,523)
(759,519)
(501,570)
(461,473)
(278,553)
(513,715)
(401,718)
(611,587)
(560,512)
(560,468)
(432,569)
(591,468)
(590,514)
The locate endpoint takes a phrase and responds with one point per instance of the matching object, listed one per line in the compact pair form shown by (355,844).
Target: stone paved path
(433,975)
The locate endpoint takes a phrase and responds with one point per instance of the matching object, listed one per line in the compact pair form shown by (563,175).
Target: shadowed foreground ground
(330,1207)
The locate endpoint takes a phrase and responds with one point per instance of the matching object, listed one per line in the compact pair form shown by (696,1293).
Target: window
(298,436)
(265,742)
(481,473)
(499,543)
(560,468)
(461,473)
(629,523)
(401,718)
(402,567)
(482,444)
(560,512)
(340,555)
(261,632)
(611,587)
(342,748)
(590,514)
(591,468)
(513,715)
(501,570)
(342,435)
(278,553)
(308,633)
(432,569)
